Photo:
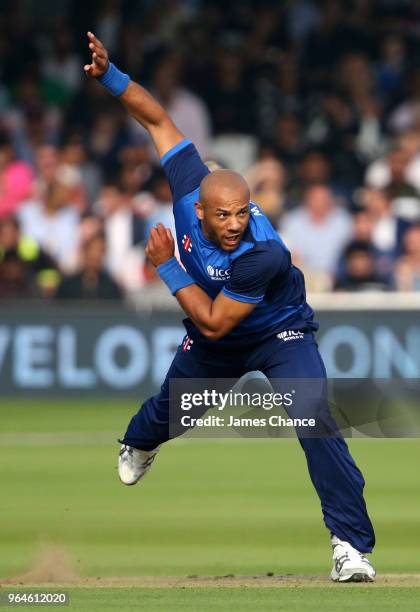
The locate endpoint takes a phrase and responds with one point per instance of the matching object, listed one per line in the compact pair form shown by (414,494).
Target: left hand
(161,245)
(99,63)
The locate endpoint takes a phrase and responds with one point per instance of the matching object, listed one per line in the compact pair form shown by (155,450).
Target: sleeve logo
(186,243)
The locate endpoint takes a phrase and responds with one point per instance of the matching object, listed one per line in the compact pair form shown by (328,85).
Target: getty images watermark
(249,407)
(231,400)
(256,407)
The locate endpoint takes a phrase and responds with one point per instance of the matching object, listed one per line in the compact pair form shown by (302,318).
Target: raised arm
(138,101)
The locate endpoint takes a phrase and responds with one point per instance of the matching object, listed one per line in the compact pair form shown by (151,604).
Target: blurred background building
(317,103)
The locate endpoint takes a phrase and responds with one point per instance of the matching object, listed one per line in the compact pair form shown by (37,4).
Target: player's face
(224,221)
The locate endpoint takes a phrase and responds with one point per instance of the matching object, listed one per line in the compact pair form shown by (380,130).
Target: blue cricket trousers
(337,480)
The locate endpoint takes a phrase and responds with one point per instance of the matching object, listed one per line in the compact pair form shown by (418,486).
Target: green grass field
(208,508)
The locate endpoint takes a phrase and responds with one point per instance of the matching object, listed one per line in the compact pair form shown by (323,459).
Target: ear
(199,210)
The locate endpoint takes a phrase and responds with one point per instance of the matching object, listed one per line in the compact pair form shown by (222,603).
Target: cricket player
(246,309)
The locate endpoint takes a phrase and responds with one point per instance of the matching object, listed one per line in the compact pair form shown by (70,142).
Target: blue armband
(174,275)
(115,81)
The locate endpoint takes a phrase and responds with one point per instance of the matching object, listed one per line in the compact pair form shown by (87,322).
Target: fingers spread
(101,54)
(99,61)
(95,41)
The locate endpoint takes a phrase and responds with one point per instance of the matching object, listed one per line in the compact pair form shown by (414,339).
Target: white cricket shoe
(134,463)
(349,565)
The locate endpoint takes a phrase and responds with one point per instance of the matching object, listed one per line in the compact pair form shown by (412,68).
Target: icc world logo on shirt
(218,273)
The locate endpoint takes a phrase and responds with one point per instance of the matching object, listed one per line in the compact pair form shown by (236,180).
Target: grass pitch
(208,508)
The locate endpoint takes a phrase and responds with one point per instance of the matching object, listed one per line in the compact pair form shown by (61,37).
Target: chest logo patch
(218,274)
(186,243)
(290,334)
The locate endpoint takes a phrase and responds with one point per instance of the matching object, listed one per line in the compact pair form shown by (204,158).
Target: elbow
(212,334)
(163,121)
(214,328)
(159,121)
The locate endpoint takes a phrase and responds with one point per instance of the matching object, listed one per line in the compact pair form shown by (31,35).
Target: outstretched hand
(161,245)
(100,61)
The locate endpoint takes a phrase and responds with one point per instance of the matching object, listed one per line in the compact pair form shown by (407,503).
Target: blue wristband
(115,81)
(174,275)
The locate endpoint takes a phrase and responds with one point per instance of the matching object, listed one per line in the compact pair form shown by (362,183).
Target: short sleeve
(184,169)
(252,273)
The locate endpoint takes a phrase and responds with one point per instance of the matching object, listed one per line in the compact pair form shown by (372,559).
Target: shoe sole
(356,577)
(128,484)
(134,482)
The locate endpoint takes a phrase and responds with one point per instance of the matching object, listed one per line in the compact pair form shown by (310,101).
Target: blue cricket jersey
(259,271)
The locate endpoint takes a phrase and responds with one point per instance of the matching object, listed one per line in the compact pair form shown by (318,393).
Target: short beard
(209,233)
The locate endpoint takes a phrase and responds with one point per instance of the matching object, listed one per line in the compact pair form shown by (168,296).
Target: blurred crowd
(316,102)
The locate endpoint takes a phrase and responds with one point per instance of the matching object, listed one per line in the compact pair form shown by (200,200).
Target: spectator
(13,277)
(317,231)
(124,231)
(106,137)
(407,273)
(46,165)
(92,282)
(135,162)
(407,115)
(108,24)
(161,203)
(315,168)
(187,110)
(25,269)
(73,154)
(302,17)
(363,224)
(226,91)
(89,227)
(333,127)
(71,179)
(333,37)
(401,164)
(16,178)
(267,181)
(399,186)
(278,91)
(399,173)
(60,68)
(52,222)
(391,68)
(287,141)
(387,229)
(359,269)
(31,122)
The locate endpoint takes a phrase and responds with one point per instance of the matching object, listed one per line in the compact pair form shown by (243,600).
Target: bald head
(223,186)
(223,208)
